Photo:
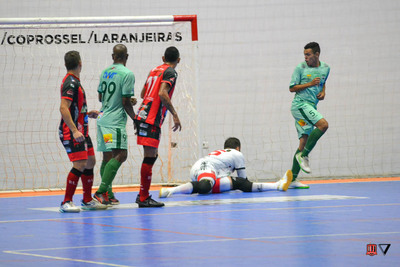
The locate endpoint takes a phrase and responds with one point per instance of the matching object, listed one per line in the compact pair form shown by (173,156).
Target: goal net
(32,68)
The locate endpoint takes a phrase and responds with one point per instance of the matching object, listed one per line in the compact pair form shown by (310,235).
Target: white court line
(65,259)
(229,201)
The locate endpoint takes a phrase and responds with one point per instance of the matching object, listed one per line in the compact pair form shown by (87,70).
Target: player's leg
(77,154)
(88,203)
(149,137)
(320,128)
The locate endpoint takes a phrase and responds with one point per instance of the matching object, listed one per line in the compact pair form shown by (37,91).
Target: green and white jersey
(304,74)
(116,82)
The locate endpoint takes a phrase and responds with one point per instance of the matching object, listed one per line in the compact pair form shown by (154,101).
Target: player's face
(311,58)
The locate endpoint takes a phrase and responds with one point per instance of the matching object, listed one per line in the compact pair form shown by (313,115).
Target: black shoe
(102,198)
(137,199)
(149,203)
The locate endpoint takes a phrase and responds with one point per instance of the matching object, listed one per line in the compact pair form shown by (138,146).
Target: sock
(295,166)
(261,187)
(182,189)
(110,170)
(315,135)
(72,183)
(145,177)
(87,184)
(102,167)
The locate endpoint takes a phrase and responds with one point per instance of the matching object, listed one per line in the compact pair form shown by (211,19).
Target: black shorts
(147,134)
(78,151)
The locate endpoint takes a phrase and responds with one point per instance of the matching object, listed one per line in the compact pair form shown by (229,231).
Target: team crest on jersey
(302,123)
(107,138)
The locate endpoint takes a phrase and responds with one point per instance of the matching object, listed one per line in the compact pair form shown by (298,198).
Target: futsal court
(330,224)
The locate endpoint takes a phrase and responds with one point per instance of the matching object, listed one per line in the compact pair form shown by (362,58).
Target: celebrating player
(156,94)
(115,90)
(74,135)
(308,82)
(212,174)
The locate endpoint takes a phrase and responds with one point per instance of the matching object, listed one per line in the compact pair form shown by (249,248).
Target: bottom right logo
(372,249)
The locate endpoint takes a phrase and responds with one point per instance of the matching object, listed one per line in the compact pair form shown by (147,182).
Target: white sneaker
(298,185)
(93,205)
(283,184)
(165,192)
(69,206)
(303,162)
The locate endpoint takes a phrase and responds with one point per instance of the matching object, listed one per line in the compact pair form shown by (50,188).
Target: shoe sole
(145,206)
(300,187)
(289,177)
(70,211)
(298,161)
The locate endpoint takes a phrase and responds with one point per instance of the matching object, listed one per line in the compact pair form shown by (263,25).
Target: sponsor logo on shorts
(142,133)
(144,125)
(302,123)
(107,138)
(68,149)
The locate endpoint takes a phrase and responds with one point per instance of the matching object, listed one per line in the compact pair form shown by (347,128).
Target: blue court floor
(326,225)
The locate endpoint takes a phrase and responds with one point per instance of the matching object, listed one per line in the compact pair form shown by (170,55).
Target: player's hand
(177,123)
(316,81)
(133,101)
(78,136)
(321,96)
(93,114)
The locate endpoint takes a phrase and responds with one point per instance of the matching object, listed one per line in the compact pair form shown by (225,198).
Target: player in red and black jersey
(156,93)
(74,135)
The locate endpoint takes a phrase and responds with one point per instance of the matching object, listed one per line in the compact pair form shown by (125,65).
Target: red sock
(72,182)
(145,180)
(87,183)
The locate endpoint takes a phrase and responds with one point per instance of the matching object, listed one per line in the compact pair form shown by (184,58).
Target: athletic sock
(261,187)
(182,189)
(72,183)
(146,173)
(102,167)
(87,184)
(295,166)
(315,135)
(110,170)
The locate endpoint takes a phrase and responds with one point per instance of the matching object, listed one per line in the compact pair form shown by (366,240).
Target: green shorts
(109,138)
(305,116)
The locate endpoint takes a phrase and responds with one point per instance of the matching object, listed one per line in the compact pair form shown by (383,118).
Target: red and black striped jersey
(151,111)
(71,89)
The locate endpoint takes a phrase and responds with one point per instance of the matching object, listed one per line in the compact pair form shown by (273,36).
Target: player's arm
(301,87)
(166,101)
(321,95)
(126,102)
(66,115)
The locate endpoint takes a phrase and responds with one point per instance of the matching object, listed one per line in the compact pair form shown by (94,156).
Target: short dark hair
(72,59)
(171,54)
(314,46)
(120,52)
(232,142)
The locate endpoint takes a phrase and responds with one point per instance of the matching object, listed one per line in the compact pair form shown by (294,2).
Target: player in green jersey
(115,90)
(308,82)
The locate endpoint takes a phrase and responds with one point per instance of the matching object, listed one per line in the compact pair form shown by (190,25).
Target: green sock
(110,192)
(315,135)
(110,170)
(295,166)
(103,165)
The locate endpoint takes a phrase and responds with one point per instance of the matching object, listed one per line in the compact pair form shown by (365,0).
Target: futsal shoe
(149,203)
(113,201)
(165,192)
(69,206)
(283,184)
(102,198)
(303,162)
(93,205)
(298,185)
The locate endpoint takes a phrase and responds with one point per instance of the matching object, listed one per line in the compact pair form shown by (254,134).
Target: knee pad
(242,184)
(202,187)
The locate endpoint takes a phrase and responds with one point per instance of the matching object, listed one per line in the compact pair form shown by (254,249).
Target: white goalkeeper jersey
(223,162)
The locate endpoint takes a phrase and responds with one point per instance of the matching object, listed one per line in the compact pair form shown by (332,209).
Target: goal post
(32,67)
